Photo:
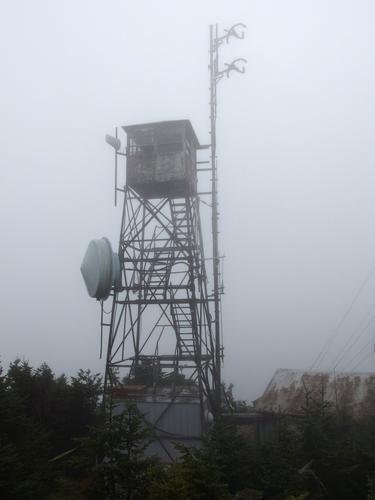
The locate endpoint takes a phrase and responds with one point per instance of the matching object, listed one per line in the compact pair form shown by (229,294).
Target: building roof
(288,391)
(186,123)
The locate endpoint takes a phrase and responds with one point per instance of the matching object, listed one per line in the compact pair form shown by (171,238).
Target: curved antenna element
(233,66)
(232,32)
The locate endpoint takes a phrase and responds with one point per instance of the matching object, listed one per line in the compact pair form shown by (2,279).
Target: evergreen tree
(110,461)
(24,450)
(194,476)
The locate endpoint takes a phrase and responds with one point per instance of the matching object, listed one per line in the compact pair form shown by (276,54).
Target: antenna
(100,269)
(216,75)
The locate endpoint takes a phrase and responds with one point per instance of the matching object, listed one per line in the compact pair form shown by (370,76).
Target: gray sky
(296,158)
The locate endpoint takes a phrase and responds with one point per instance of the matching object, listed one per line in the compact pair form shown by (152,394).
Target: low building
(172,414)
(289,391)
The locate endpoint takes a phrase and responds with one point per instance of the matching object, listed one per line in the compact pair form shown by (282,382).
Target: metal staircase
(183,313)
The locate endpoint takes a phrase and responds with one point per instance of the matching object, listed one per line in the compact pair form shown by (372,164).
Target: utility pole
(216,75)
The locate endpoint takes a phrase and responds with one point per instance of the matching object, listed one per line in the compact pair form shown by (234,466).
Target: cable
(362,360)
(339,358)
(358,329)
(335,332)
(358,353)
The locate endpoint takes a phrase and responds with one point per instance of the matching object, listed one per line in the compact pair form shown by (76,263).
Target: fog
(296,169)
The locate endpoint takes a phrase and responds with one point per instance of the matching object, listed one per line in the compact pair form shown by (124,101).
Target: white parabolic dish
(100,268)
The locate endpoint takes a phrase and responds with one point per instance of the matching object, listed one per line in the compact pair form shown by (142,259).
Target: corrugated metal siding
(181,419)
(171,422)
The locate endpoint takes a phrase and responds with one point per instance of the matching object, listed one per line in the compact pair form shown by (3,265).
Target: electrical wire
(348,346)
(358,353)
(336,330)
(362,360)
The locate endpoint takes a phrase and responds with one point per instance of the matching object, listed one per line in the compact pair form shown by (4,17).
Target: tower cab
(161,159)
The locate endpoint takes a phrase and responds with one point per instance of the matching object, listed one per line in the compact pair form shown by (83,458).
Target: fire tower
(161,327)
(164,347)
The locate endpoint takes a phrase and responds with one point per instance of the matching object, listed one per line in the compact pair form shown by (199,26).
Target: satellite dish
(113,141)
(100,269)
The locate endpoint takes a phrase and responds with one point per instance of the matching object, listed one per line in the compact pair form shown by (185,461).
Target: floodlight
(113,141)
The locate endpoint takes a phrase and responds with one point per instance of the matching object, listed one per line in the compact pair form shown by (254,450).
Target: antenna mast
(216,75)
